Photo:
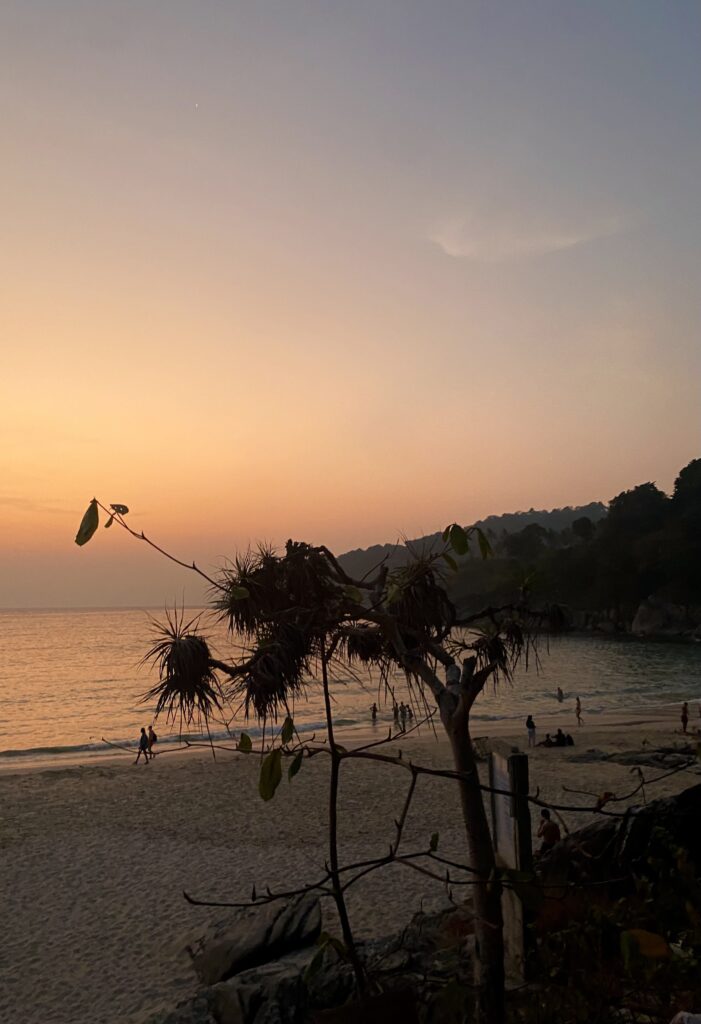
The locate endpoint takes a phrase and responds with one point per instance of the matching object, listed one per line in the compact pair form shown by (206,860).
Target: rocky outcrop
(289,990)
(660,618)
(247,937)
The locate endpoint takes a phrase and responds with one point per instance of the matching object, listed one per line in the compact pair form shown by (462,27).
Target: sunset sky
(336,270)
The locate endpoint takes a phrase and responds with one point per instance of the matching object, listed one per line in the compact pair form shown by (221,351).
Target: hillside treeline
(647,544)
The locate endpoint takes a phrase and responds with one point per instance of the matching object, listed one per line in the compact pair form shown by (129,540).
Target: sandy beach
(94,857)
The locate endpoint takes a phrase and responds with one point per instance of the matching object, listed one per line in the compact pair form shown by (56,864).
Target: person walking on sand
(395,713)
(578,712)
(373,712)
(402,716)
(143,746)
(152,739)
(560,695)
(685,716)
(530,729)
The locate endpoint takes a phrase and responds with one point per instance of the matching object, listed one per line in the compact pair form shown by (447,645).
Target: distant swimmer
(578,712)
(560,695)
(143,746)
(685,715)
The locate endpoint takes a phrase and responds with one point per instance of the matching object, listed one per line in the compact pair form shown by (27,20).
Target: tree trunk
(486,893)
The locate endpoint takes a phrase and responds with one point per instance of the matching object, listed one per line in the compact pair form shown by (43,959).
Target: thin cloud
(30,505)
(496,238)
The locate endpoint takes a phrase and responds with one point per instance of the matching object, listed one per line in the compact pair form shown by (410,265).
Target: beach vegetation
(296,616)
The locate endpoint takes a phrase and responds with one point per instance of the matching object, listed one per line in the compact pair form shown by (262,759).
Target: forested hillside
(595,559)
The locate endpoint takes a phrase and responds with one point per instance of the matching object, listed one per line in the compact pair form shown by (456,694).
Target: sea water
(69,680)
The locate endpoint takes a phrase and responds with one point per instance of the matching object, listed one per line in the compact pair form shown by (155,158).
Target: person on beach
(560,695)
(548,831)
(409,713)
(152,739)
(560,739)
(547,742)
(395,713)
(685,715)
(373,712)
(530,729)
(578,712)
(143,746)
(402,717)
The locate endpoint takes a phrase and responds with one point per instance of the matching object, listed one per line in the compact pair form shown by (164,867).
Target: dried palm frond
(364,644)
(187,686)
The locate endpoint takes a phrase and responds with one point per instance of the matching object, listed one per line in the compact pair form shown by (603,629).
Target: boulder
(659,618)
(251,936)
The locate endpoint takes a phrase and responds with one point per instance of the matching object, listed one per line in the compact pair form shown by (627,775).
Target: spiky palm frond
(275,674)
(420,603)
(187,688)
(261,588)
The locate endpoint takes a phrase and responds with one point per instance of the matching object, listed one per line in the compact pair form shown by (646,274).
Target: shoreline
(653,717)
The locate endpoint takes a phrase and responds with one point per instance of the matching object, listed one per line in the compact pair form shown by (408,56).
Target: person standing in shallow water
(143,746)
(530,729)
(685,715)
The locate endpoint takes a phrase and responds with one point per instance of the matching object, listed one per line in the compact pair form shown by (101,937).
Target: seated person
(549,832)
(547,742)
(560,740)
(569,741)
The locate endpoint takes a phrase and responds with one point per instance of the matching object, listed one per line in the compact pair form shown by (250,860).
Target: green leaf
(88,525)
(120,510)
(288,730)
(238,593)
(270,774)
(433,844)
(296,765)
(109,522)
(315,964)
(325,940)
(446,534)
(458,540)
(353,593)
(393,593)
(451,561)
(245,744)
(485,546)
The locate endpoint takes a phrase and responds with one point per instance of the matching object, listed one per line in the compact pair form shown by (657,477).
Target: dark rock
(610,845)
(655,617)
(252,936)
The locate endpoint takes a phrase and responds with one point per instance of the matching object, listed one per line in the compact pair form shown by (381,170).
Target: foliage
(648,544)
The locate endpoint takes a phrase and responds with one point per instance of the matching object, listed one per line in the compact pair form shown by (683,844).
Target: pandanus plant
(296,614)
